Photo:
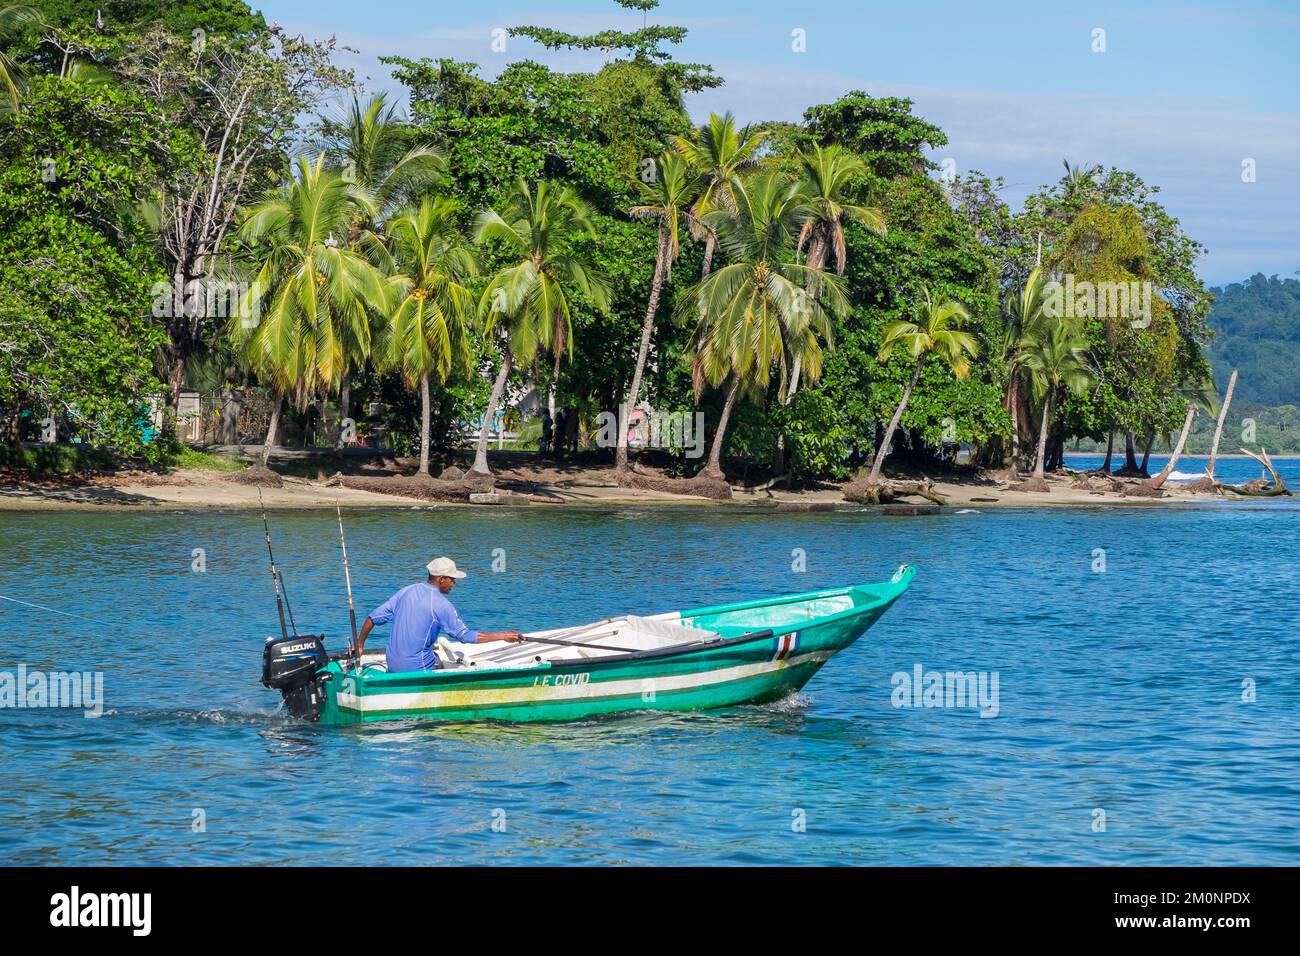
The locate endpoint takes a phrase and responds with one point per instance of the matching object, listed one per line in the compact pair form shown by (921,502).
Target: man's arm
(511,636)
(366,627)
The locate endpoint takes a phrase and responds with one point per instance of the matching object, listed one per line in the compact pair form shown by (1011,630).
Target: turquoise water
(1119,691)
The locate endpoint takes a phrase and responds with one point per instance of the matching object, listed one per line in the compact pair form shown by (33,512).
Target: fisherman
(420,613)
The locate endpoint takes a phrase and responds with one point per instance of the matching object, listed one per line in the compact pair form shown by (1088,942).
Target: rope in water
(52,610)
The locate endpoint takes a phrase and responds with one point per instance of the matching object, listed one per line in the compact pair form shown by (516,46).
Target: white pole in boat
(347,578)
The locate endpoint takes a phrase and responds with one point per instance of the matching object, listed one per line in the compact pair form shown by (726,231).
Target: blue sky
(1182,95)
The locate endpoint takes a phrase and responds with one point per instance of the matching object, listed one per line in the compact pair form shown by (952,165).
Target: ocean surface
(1148,693)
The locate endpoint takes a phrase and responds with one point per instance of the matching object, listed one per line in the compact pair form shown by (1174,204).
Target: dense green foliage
(801,250)
(1257,332)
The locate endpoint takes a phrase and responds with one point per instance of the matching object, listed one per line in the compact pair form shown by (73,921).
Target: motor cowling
(289,665)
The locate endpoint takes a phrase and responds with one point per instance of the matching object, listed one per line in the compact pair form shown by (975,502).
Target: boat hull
(750,667)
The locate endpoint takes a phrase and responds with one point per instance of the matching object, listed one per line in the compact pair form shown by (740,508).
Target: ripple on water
(1128,692)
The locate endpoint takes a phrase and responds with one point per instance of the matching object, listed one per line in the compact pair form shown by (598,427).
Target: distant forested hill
(1257,326)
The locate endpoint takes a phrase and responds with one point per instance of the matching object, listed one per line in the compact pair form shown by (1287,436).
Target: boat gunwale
(895,587)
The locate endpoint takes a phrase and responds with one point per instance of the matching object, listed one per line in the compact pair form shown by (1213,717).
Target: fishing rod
(275,575)
(293,625)
(347,578)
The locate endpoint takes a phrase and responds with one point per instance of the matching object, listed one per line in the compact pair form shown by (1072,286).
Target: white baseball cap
(444,568)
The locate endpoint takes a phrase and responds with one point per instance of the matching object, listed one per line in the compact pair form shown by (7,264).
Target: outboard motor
(289,665)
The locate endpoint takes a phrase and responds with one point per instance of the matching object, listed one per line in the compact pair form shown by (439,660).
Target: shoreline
(198,490)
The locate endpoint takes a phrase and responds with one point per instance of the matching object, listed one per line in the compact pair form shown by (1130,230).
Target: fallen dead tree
(861,491)
(1259,488)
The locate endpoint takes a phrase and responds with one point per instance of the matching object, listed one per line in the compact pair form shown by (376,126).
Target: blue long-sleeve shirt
(419,613)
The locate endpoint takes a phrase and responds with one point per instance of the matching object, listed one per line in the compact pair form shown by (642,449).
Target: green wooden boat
(748,652)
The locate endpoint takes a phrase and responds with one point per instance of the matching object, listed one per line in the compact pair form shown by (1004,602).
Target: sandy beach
(544,487)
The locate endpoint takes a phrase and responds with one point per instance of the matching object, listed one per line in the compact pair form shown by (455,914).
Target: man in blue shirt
(419,614)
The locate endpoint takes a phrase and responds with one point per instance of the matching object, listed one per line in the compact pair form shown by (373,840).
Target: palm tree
(1080,181)
(371,142)
(11,77)
(936,333)
(667,201)
(754,311)
(428,331)
(317,291)
(1054,356)
(827,173)
(538,227)
(719,155)
(1021,312)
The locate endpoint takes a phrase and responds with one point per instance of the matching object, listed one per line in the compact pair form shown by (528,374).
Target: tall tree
(718,155)
(374,147)
(826,177)
(309,285)
(1022,310)
(428,331)
(667,200)
(1055,357)
(936,333)
(754,310)
(538,227)
(246,98)
(644,44)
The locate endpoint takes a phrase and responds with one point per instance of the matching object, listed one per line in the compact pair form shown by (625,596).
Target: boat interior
(629,633)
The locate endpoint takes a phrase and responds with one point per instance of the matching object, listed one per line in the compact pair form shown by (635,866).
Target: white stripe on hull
(537,694)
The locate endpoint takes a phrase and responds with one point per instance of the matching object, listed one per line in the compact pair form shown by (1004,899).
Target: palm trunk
(1110,452)
(1041,458)
(345,406)
(883,450)
(1013,406)
(647,329)
(714,467)
(273,429)
(499,386)
(1146,455)
(708,256)
(1218,428)
(424,424)
(1168,470)
(1130,458)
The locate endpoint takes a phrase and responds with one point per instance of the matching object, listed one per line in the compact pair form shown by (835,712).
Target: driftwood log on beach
(860,491)
(1259,488)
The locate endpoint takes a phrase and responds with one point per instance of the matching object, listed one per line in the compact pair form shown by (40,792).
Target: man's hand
(514,637)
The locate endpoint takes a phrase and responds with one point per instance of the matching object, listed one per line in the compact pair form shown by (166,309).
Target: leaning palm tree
(667,200)
(937,333)
(312,290)
(827,173)
(718,156)
(1055,358)
(428,327)
(372,143)
(531,296)
(12,15)
(754,310)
